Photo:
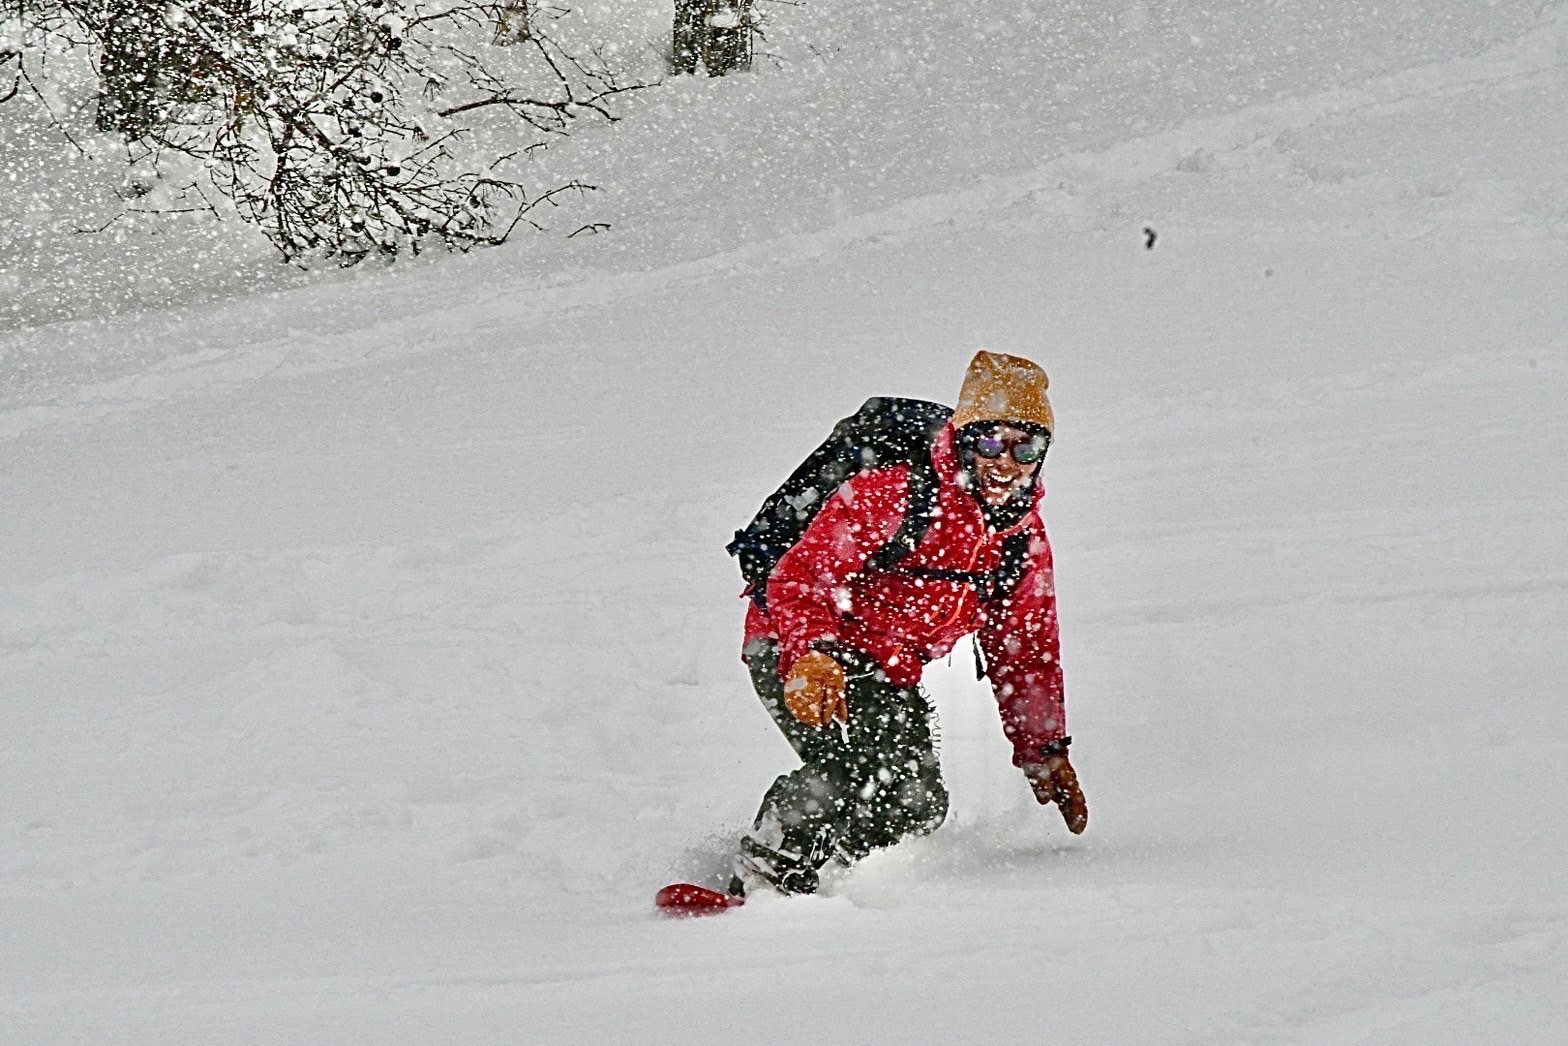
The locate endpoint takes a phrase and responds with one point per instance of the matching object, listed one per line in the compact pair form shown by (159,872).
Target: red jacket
(820,591)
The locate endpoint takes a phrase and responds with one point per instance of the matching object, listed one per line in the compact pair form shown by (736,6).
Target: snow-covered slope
(368,653)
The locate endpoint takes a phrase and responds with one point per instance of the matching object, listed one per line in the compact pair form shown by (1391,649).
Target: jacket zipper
(974,557)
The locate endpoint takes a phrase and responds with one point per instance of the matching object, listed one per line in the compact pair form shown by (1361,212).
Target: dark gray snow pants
(860,787)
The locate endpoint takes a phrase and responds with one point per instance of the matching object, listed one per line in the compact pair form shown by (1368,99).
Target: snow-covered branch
(341,128)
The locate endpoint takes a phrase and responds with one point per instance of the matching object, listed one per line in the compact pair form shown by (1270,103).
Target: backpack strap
(1010,570)
(990,585)
(918,515)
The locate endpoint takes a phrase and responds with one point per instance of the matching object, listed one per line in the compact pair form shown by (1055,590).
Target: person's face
(999,475)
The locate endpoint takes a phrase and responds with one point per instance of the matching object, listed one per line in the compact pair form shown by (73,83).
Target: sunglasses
(1026,450)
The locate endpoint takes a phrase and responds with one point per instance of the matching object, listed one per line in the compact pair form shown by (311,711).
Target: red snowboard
(690,899)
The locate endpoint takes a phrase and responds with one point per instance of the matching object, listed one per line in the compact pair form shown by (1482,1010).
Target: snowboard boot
(785,860)
(784,870)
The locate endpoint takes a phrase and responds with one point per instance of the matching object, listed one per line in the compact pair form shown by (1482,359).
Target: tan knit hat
(999,387)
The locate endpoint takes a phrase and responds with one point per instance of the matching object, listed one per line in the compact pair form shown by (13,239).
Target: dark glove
(1054,781)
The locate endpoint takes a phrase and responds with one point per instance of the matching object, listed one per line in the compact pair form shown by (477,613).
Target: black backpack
(885,431)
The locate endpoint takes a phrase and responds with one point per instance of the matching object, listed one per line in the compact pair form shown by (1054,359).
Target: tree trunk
(128,68)
(515,24)
(714,35)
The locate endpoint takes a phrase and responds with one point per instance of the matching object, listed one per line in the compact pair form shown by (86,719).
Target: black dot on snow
(1149,236)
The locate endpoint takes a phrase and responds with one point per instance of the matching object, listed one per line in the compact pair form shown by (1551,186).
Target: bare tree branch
(308,115)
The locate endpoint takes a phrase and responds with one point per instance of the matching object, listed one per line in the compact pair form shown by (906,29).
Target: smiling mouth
(996,483)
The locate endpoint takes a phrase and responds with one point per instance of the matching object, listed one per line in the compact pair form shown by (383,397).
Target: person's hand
(814,691)
(1055,782)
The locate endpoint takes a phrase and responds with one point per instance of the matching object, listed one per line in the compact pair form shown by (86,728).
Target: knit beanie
(999,387)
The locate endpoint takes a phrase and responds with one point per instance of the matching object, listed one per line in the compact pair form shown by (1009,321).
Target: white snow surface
(369,656)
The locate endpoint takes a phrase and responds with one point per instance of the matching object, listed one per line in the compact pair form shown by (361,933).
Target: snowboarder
(839,631)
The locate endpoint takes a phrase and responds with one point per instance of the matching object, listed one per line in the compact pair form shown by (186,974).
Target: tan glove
(814,691)
(1054,781)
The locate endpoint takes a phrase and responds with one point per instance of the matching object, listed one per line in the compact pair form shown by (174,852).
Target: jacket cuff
(1038,755)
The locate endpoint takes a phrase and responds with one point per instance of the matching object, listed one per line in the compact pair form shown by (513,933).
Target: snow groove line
(1190,612)
(1535,53)
(1138,159)
(1351,1012)
(203,992)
